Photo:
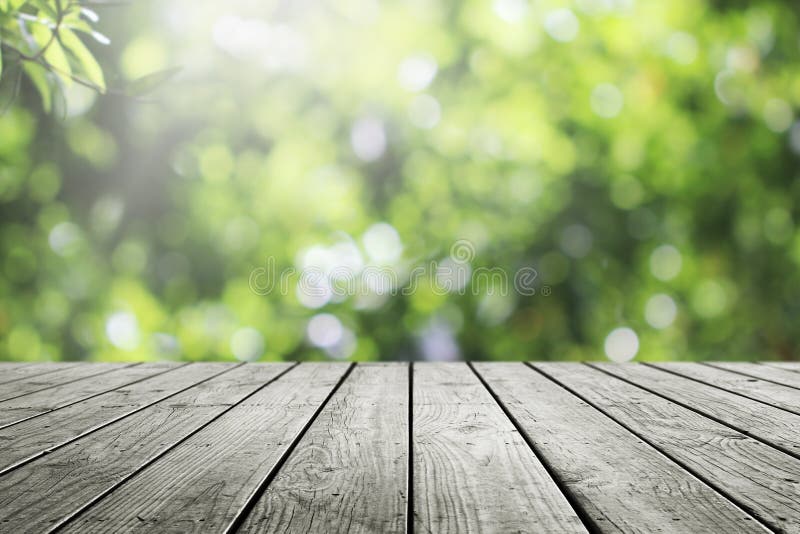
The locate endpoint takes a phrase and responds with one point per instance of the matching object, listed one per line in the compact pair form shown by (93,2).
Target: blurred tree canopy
(637,158)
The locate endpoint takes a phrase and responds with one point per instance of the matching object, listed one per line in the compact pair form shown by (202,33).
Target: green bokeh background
(640,155)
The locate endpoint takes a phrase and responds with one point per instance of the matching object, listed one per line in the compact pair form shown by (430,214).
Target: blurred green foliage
(640,155)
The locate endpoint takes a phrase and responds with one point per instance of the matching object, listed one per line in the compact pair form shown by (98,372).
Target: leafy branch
(42,35)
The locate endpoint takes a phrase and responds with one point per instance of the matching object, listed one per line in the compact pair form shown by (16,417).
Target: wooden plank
(473,472)
(38,496)
(62,375)
(787,366)
(759,478)
(205,481)
(348,472)
(34,404)
(761,421)
(621,483)
(770,393)
(32,438)
(13,373)
(8,365)
(764,372)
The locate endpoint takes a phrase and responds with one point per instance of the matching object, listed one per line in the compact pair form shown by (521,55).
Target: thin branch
(71,76)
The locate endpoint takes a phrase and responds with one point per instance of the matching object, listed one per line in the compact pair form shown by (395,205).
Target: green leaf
(149,82)
(1,59)
(44,7)
(84,57)
(38,76)
(53,54)
(3,5)
(78,24)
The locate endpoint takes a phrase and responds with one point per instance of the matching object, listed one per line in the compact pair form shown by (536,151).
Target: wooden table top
(398,447)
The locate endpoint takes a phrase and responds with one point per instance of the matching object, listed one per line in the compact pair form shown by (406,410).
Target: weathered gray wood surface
(348,473)
(772,425)
(622,483)
(41,435)
(56,487)
(786,366)
(756,476)
(41,401)
(13,372)
(213,447)
(14,365)
(756,389)
(205,481)
(61,376)
(764,372)
(473,472)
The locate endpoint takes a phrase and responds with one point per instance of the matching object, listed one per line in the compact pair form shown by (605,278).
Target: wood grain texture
(63,375)
(36,436)
(764,372)
(348,472)
(773,394)
(772,425)
(203,483)
(13,372)
(44,492)
(622,484)
(787,366)
(213,447)
(473,472)
(40,402)
(759,478)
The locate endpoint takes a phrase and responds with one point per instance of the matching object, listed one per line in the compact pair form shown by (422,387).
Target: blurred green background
(640,155)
